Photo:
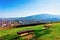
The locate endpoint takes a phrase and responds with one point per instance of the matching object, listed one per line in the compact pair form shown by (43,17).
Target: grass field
(50,34)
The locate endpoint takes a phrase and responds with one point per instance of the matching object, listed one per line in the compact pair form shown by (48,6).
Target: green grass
(49,34)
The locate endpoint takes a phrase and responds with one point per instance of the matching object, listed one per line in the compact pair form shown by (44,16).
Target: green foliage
(41,34)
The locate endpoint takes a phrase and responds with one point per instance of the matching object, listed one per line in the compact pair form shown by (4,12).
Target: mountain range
(39,17)
(43,17)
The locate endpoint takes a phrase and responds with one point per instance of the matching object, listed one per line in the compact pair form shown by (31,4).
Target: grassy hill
(49,34)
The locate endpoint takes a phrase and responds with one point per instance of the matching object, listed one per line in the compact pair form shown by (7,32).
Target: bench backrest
(22,32)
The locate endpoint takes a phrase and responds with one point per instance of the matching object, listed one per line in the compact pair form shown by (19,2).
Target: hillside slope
(50,34)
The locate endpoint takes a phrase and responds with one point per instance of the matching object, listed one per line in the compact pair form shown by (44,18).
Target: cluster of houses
(7,23)
(10,22)
(4,23)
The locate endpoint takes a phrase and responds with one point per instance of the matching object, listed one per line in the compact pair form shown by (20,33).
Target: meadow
(50,34)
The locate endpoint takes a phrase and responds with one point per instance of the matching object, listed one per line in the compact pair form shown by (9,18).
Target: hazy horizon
(23,8)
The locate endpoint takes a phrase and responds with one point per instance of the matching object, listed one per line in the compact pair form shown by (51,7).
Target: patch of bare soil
(28,37)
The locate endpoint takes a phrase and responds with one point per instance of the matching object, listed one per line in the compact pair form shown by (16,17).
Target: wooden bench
(47,26)
(27,34)
(23,33)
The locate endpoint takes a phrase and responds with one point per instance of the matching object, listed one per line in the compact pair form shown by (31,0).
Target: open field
(50,34)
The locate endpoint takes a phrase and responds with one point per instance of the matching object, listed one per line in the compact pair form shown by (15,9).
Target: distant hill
(29,20)
(44,17)
(39,18)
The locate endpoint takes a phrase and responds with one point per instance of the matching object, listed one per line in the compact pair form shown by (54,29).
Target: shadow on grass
(41,32)
(26,25)
(9,37)
(38,33)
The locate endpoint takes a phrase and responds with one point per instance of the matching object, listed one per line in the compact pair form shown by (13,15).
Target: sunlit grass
(10,34)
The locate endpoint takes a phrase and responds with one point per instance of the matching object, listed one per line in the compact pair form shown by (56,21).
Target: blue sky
(22,8)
